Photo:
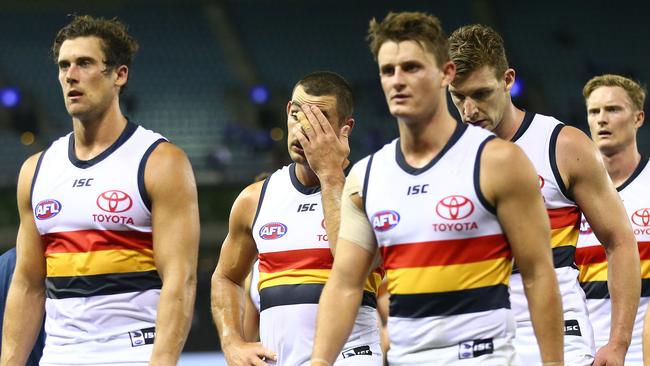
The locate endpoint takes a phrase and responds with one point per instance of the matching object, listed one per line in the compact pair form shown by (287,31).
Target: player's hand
(247,354)
(610,355)
(326,153)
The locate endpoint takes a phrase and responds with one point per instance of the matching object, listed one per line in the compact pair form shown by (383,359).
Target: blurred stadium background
(214,77)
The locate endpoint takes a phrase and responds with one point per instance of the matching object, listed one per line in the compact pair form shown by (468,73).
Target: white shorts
(464,354)
(578,350)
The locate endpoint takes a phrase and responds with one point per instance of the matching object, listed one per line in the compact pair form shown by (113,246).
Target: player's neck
(621,164)
(421,142)
(306,175)
(512,119)
(94,135)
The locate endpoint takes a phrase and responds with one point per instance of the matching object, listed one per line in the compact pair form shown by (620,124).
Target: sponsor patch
(475,348)
(273,230)
(47,209)
(385,220)
(357,351)
(454,207)
(114,201)
(641,217)
(572,328)
(142,337)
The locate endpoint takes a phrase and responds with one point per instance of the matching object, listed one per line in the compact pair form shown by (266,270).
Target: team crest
(47,209)
(385,220)
(273,230)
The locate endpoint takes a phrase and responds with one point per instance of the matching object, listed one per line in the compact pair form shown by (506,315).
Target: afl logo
(641,217)
(273,230)
(114,201)
(454,207)
(585,229)
(47,209)
(541,182)
(385,220)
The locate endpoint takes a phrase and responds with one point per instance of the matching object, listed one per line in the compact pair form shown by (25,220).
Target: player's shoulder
(574,140)
(246,204)
(167,152)
(500,151)
(386,151)
(28,168)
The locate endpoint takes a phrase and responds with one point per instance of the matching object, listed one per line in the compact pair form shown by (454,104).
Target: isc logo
(273,230)
(385,220)
(47,209)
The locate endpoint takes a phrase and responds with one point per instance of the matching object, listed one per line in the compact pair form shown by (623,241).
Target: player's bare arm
(342,294)
(586,178)
(169,181)
(646,338)
(509,182)
(327,155)
(26,298)
(238,253)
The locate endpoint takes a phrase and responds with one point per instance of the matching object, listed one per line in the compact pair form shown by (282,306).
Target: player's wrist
(318,361)
(621,343)
(232,342)
(332,175)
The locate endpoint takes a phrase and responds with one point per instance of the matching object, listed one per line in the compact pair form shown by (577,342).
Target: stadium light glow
(9,97)
(517,88)
(259,94)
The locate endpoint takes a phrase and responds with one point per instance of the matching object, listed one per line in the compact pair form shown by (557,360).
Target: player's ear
(509,76)
(348,122)
(639,118)
(289,107)
(448,73)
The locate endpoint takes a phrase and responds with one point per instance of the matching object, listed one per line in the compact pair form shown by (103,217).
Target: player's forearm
(625,288)
(23,319)
(175,310)
(337,311)
(227,300)
(545,306)
(331,189)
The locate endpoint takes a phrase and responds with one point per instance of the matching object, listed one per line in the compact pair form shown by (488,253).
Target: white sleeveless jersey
(537,136)
(294,263)
(253,291)
(94,219)
(446,258)
(592,262)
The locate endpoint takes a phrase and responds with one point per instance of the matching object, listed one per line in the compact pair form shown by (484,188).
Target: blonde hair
(634,90)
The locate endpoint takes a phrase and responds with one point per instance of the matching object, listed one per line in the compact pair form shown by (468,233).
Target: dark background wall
(200,60)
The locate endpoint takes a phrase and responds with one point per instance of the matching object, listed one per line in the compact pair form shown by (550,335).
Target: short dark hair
(118,46)
(474,46)
(423,28)
(322,83)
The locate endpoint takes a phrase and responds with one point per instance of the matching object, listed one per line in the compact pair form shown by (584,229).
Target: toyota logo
(454,207)
(641,217)
(114,201)
(541,181)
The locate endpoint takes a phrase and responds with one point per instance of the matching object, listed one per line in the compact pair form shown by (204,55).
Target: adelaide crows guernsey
(102,286)
(592,262)
(446,257)
(537,136)
(294,263)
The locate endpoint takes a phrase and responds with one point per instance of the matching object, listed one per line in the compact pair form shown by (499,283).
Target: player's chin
(298,157)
